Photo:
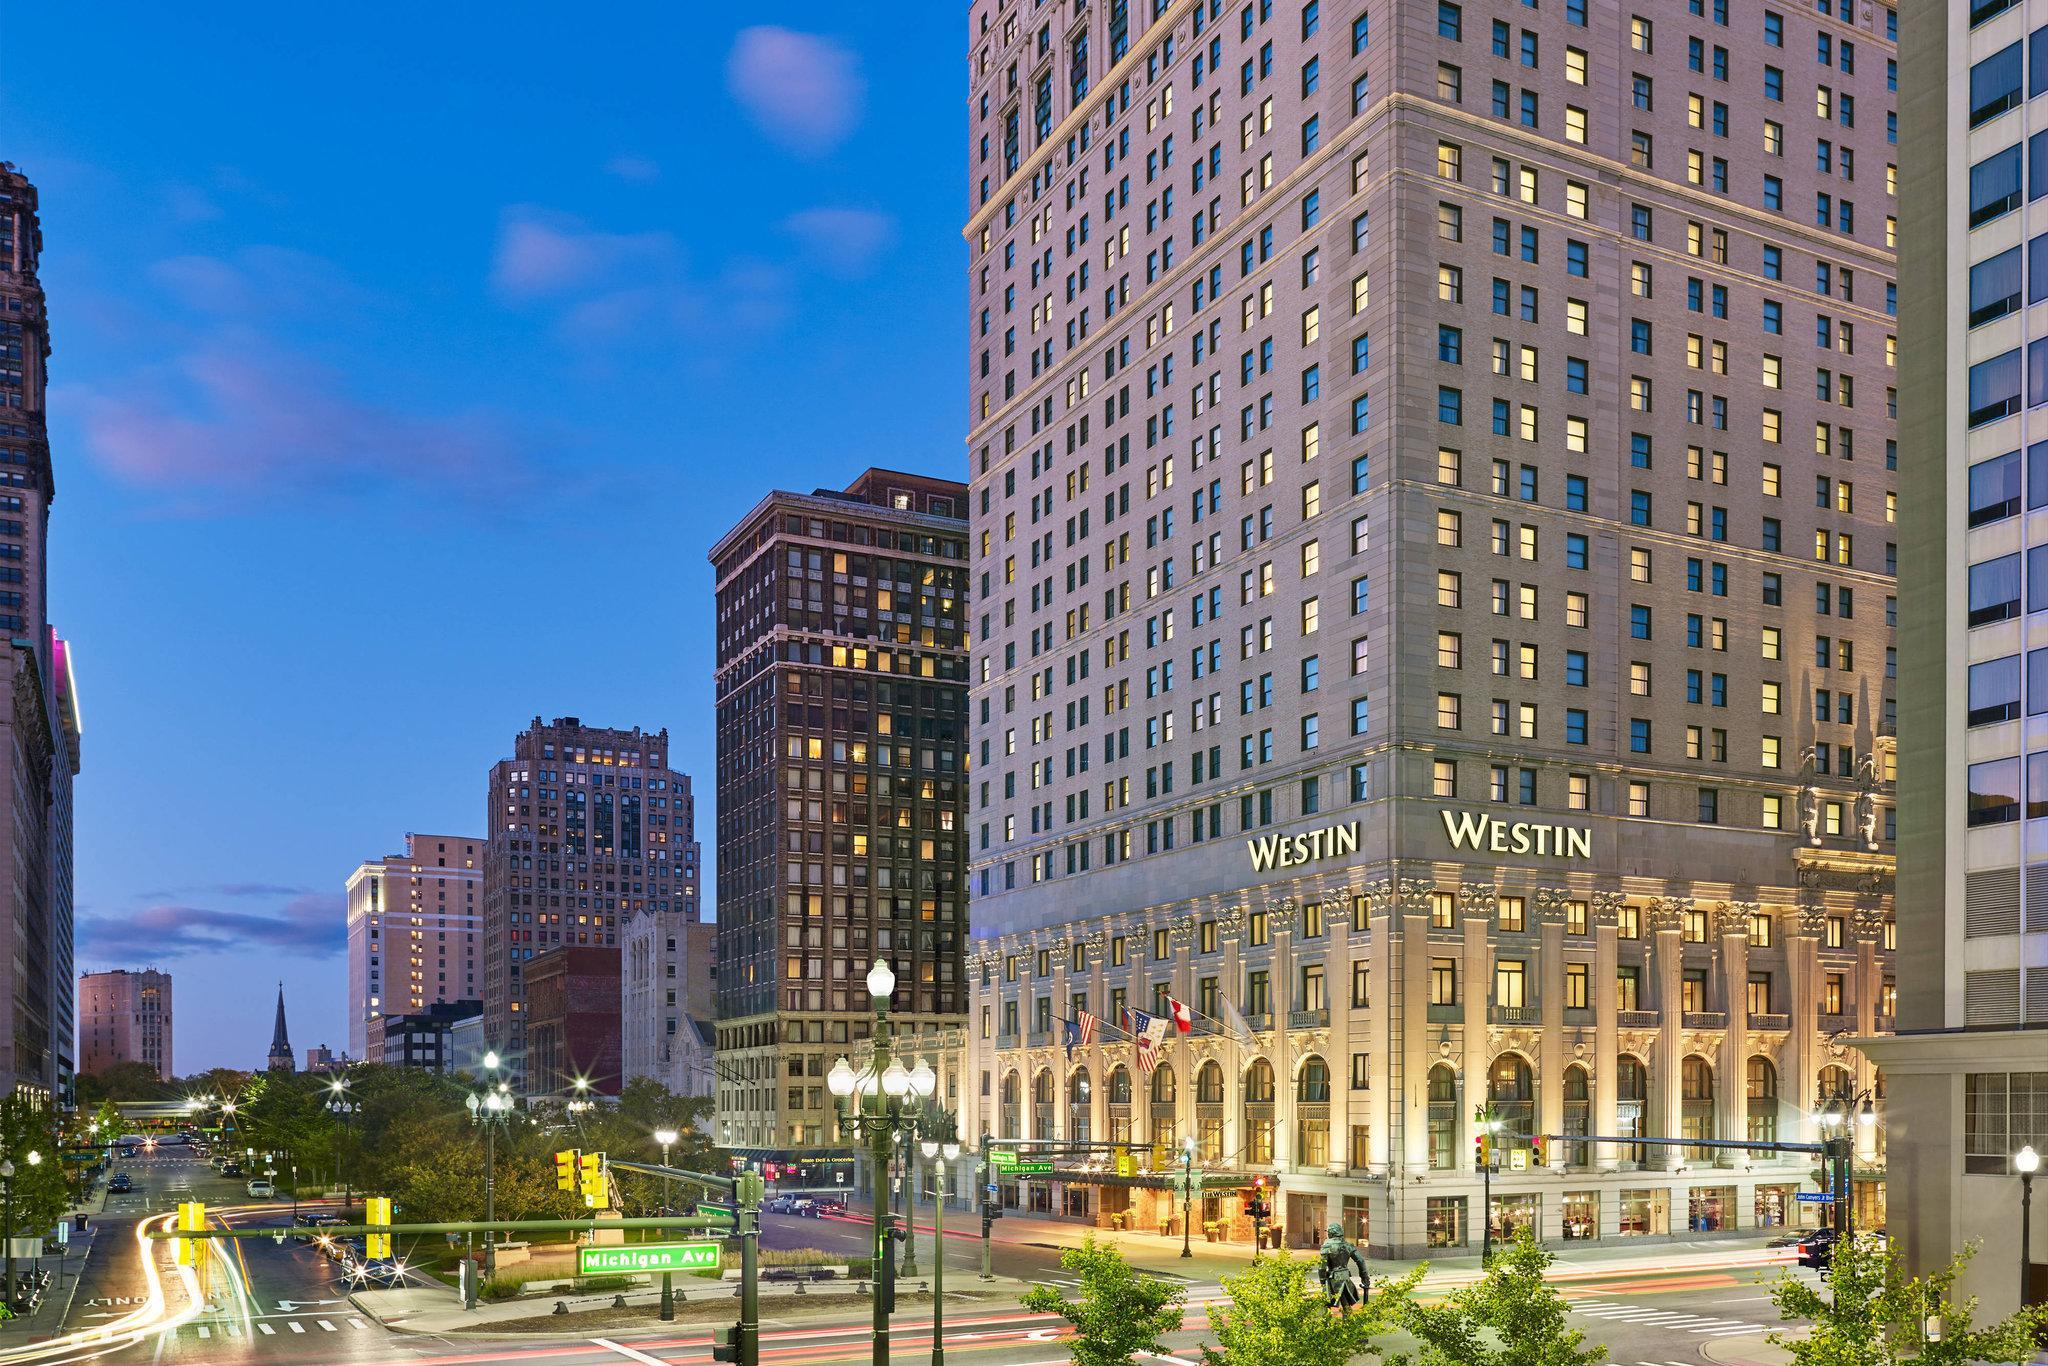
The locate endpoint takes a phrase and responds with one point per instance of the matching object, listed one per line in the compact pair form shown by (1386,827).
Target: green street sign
(1002,1158)
(595,1261)
(717,1212)
(1031,1168)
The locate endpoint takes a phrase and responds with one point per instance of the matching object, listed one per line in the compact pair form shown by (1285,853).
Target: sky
(405,368)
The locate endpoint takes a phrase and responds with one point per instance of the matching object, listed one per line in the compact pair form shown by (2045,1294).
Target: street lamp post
(1187,1192)
(950,1152)
(343,1109)
(490,1110)
(7,1213)
(878,1116)
(1492,1127)
(909,1169)
(665,1137)
(2026,1162)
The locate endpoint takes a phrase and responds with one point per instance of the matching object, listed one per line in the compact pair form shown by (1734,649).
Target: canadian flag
(1183,1018)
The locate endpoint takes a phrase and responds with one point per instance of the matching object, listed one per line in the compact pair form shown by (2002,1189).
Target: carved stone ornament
(1550,904)
(1476,898)
(1732,917)
(1607,907)
(1666,913)
(1415,896)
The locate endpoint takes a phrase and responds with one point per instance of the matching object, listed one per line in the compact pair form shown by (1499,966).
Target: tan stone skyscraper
(125,1016)
(414,933)
(1433,482)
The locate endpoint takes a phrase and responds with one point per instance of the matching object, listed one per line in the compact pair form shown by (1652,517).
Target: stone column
(1381,1036)
(1238,1055)
(1801,1083)
(1731,1093)
(1606,1033)
(1280,921)
(1550,1064)
(1415,1037)
(1347,1031)
(1664,920)
(1869,982)
(1475,969)
(1062,964)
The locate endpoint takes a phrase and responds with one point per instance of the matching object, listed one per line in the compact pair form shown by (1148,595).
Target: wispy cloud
(239,417)
(804,91)
(256,280)
(847,243)
(310,925)
(633,167)
(541,252)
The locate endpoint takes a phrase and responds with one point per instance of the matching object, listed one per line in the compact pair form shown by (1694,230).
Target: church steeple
(280,1041)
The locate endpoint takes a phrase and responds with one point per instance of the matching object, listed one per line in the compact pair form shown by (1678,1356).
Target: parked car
(779,1204)
(231,1169)
(384,1271)
(261,1188)
(120,1185)
(831,1204)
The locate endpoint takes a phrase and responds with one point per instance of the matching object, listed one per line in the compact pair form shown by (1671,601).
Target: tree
(1509,1317)
(38,1193)
(1874,1314)
(120,1081)
(1275,1317)
(1119,1314)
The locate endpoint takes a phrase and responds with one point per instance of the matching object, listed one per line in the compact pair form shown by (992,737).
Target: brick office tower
(572,1029)
(1484,733)
(584,831)
(842,670)
(125,1016)
(412,934)
(38,732)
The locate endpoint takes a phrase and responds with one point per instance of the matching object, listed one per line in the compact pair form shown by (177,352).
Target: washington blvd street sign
(594,1261)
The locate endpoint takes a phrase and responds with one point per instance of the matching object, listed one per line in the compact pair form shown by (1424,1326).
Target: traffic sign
(724,1212)
(1814,1197)
(592,1261)
(1031,1167)
(1002,1158)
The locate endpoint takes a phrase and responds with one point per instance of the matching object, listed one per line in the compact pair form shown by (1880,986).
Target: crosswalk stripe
(328,1326)
(204,1331)
(266,1330)
(357,1323)
(1730,1330)
(295,1325)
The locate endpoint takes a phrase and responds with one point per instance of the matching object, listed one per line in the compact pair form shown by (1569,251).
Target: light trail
(154,1315)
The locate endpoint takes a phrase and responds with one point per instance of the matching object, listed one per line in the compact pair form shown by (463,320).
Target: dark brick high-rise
(842,745)
(38,730)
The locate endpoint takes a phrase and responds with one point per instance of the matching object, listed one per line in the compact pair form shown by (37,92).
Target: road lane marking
(204,1331)
(266,1329)
(328,1326)
(295,1325)
(629,1353)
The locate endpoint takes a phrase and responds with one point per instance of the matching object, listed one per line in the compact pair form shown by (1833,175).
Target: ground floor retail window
(1077,1202)
(1357,1219)
(1869,1203)
(1709,1209)
(1446,1219)
(1513,1214)
(1772,1206)
(1581,1214)
(1645,1212)
(1308,1218)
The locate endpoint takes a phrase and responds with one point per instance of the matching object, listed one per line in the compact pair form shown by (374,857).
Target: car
(804,1207)
(262,1188)
(231,1169)
(386,1271)
(779,1204)
(832,1204)
(121,1184)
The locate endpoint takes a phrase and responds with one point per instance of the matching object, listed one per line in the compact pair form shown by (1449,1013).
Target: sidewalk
(433,1309)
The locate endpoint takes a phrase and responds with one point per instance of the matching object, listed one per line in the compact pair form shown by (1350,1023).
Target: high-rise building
(413,933)
(842,783)
(1967,1073)
(125,1016)
(587,827)
(665,1002)
(572,1019)
(39,730)
(1501,746)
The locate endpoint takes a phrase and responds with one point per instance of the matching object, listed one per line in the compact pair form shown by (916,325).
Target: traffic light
(1256,1209)
(591,1168)
(565,1169)
(725,1343)
(1479,1151)
(191,1216)
(377,1210)
(1536,1150)
(885,1275)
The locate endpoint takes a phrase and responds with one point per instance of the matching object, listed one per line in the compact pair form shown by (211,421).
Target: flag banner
(1072,1031)
(1148,1053)
(1233,1021)
(1087,1024)
(1183,1018)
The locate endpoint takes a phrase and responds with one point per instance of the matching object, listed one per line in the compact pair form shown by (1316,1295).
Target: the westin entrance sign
(1474,830)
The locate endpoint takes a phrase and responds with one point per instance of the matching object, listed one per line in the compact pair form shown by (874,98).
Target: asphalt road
(282,1302)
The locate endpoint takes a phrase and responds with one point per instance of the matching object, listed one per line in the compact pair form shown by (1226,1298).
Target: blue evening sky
(408,359)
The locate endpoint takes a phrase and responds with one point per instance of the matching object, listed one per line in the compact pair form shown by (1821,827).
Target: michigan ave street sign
(595,1261)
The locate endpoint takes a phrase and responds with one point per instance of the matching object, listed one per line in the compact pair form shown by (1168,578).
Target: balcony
(1446,1014)
(1705,1019)
(1637,1019)
(1007,1041)
(1515,1015)
(1757,1021)
(1039,1038)
(1259,1022)
(1837,1024)
(1309,1019)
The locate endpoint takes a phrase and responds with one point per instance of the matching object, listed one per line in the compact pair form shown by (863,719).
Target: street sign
(1126,1165)
(1814,1197)
(717,1212)
(591,1261)
(1031,1167)
(1002,1158)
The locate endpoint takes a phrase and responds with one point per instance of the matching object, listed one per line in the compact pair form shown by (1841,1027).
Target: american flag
(1148,1053)
(1087,1025)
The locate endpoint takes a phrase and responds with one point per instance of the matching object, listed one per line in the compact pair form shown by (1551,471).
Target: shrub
(499,1288)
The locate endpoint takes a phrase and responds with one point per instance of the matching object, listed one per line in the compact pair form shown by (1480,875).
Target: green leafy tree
(1510,1317)
(39,1193)
(1277,1316)
(1873,1314)
(1119,1313)
(120,1081)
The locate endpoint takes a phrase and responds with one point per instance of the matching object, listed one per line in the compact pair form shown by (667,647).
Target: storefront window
(1709,1209)
(1772,1202)
(1646,1212)
(1357,1219)
(1581,1214)
(1513,1214)
(1446,1219)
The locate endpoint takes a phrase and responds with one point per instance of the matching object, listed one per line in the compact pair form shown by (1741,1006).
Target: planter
(1116,1221)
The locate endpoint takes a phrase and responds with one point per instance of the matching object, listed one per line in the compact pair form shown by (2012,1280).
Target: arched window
(1165,1121)
(1443,1118)
(1313,1084)
(1120,1085)
(1511,1094)
(1760,1085)
(1632,1094)
(1578,1113)
(1041,1087)
(1165,1088)
(1209,1084)
(1079,1089)
(1696,1103)
(1258,1112)
(1013,1106)
(1080,1124)
(1043,1090)
(1832,1083)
